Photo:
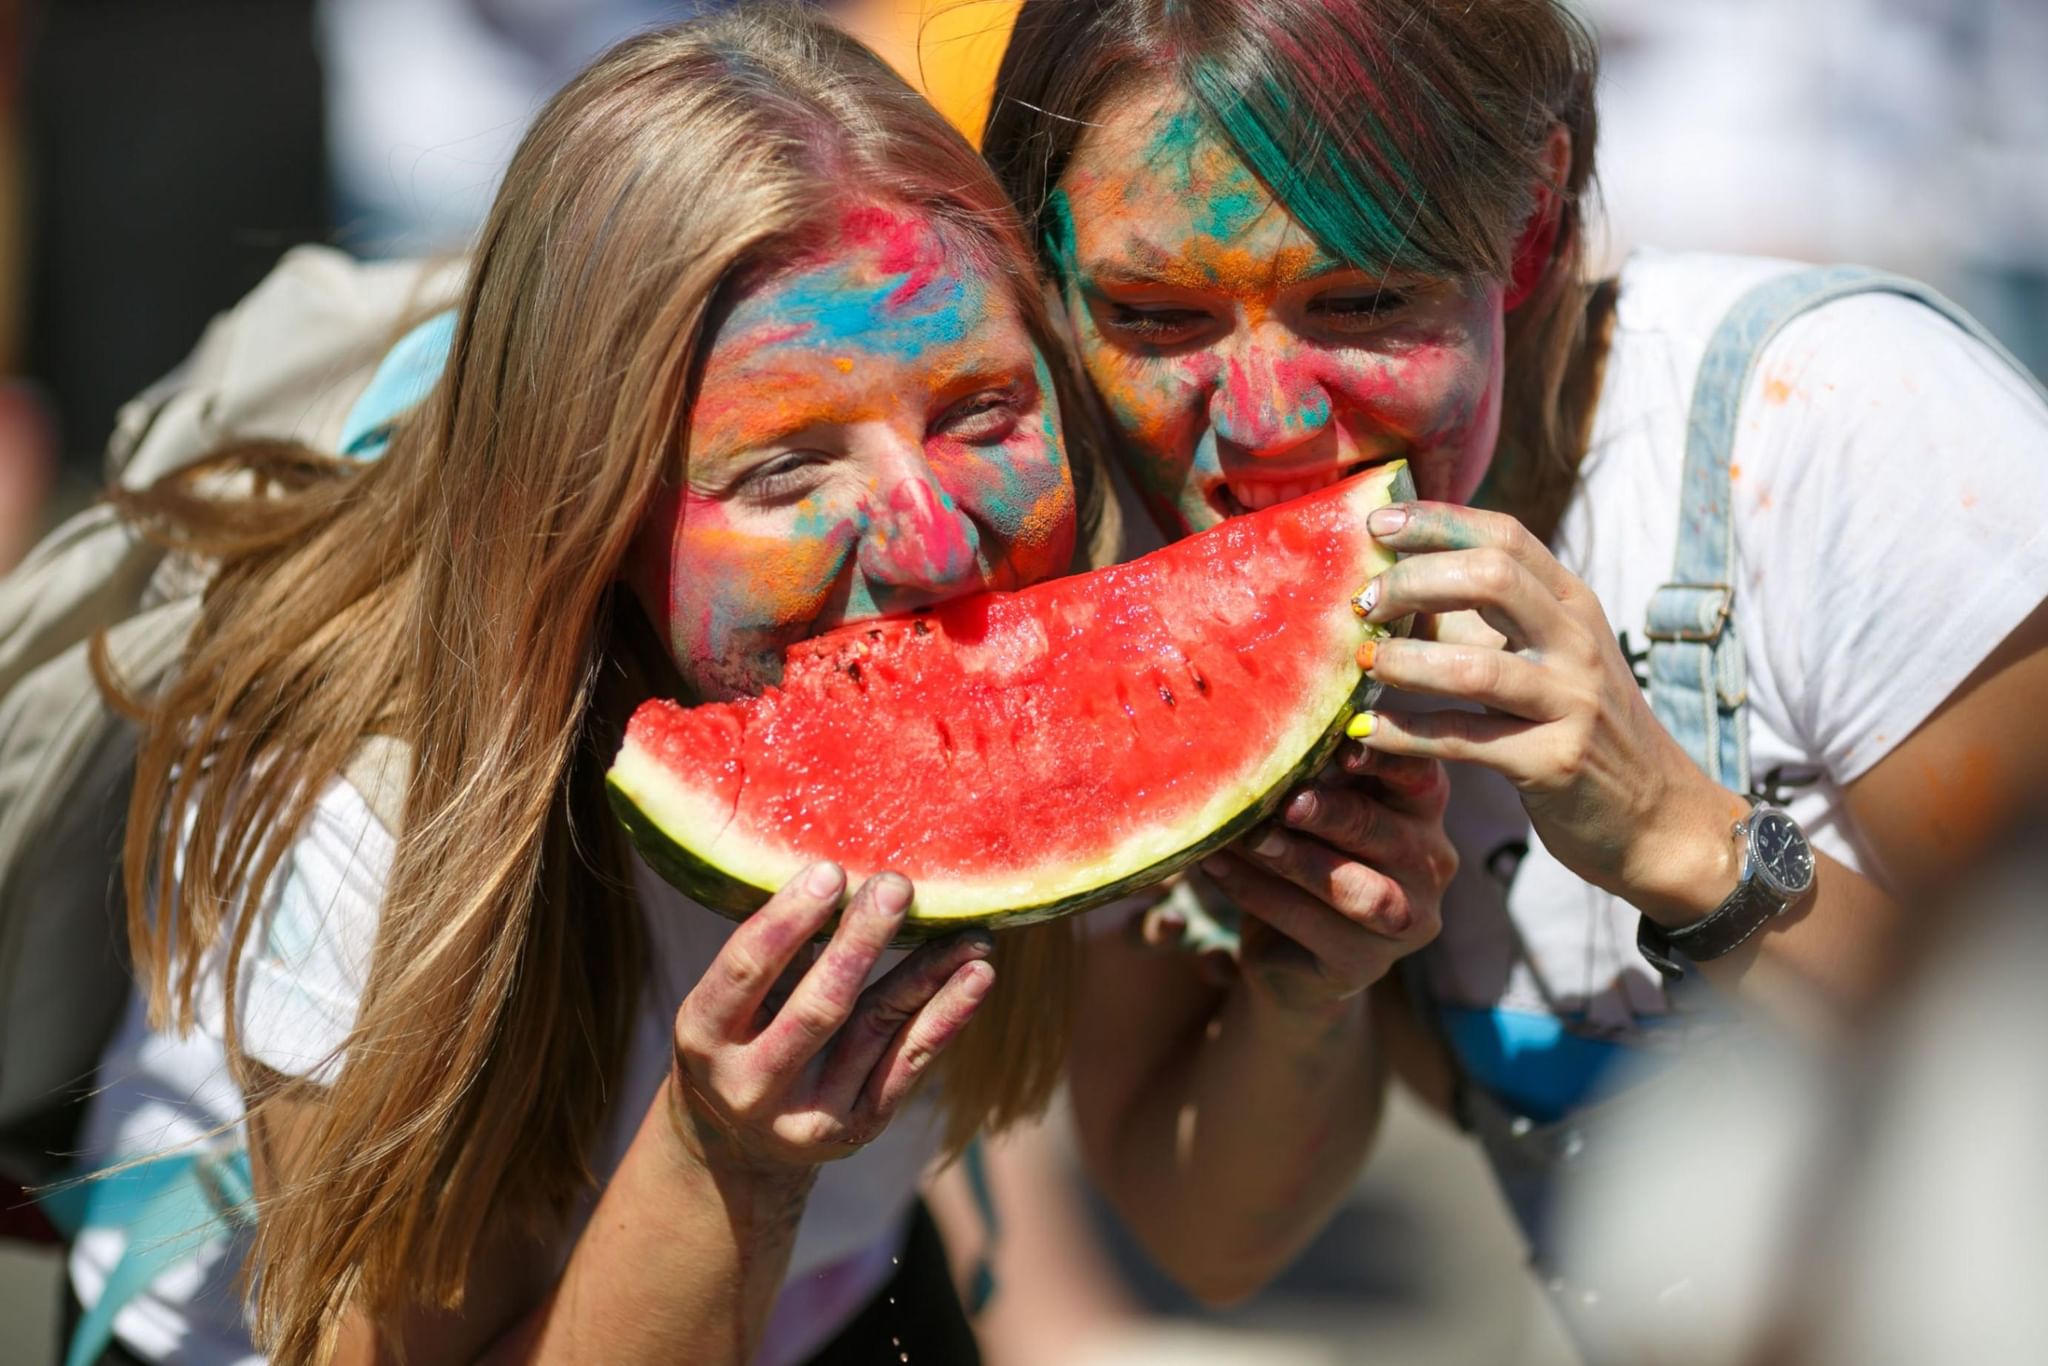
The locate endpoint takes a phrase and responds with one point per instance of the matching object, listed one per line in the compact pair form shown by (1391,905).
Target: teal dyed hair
(1406,137)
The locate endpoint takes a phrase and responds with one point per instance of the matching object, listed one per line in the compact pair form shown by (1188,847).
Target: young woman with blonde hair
(750,345)
(1707,554)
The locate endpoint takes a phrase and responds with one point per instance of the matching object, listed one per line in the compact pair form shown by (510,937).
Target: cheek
(1021,495)
(1439,400)
(1157,403)
(748,581)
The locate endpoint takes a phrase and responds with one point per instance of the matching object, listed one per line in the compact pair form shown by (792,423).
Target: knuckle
(882,1017)
(1492,572)
(1576,747)
(1391,912)
(1362,823)
(812,1129)
(1356,889)
(814,1018)
(1440,864)
(1454,727)
(739,970)
(1475,672)
(745,1102)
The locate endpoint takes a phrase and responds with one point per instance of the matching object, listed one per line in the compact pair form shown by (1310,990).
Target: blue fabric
(406,375)
(1532,1062)
(168,1209)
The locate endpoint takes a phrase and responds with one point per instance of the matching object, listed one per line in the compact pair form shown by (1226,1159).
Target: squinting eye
(983,419)
(793,472)
(1158,326)
(1355,312)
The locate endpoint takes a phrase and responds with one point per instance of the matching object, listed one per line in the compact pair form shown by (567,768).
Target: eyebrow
(1154,265)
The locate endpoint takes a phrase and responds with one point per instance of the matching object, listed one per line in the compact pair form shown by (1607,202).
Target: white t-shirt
(1891,526)
(303,973)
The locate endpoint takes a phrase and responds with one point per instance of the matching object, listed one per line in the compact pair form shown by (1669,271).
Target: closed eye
(785,476)
(982,418)
(1152,324)
(1357,310)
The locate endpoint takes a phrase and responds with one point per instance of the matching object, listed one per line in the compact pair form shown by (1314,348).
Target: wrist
(1689,861)
(1301,1025)
(699,1141)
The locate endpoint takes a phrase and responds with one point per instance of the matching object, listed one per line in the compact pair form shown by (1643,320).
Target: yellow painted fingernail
(1360,726)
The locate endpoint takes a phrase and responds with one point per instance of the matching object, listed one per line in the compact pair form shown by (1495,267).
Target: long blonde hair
(459,595)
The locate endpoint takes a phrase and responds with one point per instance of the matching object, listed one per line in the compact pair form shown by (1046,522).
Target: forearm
(1830,958)
(1231,1160)
(678,1263)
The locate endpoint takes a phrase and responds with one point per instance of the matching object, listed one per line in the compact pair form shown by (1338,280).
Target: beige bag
(285,363)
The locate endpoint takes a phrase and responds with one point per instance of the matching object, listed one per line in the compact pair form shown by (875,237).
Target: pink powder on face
(1288,367)
(923,542)
(874,430)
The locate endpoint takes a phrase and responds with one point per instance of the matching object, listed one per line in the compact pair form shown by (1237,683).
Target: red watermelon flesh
(1022,755)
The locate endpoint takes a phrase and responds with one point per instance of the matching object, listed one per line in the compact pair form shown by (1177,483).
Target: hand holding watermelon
(746,1097)
(1607,789)
(1353,883)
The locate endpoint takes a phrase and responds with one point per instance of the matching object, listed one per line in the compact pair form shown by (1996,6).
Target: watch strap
(1748,909)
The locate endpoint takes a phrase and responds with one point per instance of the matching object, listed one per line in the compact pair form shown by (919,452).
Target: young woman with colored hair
(750,345)
(1730,633)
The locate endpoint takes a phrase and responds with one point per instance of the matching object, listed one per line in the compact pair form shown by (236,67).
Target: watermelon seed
(1166,694)
(1123,700)
(1201,683)
(921,626)
(853,672)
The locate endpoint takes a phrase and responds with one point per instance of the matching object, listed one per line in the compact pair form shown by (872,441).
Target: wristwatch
(1777,869)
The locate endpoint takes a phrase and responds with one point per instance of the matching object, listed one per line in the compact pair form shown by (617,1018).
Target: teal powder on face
(846,315)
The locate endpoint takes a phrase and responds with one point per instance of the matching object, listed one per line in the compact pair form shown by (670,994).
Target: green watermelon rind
(635,784)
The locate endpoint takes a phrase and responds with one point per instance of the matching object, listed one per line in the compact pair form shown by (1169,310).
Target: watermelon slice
(1025,755)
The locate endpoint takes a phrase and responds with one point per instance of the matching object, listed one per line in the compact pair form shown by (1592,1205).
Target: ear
(1539,233)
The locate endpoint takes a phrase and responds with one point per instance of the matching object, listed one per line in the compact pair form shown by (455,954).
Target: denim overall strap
(1698,683)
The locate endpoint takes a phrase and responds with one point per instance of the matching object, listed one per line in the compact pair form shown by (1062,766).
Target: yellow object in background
(948,49)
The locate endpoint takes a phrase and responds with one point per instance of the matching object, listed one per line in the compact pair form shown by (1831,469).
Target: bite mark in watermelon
(1025,755)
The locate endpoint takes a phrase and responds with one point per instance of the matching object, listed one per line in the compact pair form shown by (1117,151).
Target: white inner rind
(680,810)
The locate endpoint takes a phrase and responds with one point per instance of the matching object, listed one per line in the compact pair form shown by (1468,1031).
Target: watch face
(1782,853)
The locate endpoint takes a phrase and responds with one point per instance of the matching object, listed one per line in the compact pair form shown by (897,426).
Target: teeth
(1254,494)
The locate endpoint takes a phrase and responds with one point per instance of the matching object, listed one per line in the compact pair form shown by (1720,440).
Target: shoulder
(1892,352)
(1684,295)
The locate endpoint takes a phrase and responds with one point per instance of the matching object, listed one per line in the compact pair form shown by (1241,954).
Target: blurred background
(157,157)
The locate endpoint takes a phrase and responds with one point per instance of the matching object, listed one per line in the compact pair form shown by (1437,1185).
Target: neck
(1533,489)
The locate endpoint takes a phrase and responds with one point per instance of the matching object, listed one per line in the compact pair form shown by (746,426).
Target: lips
(1245,492)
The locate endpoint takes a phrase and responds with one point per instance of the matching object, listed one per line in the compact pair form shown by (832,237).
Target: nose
(919,547)
(1268,400)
